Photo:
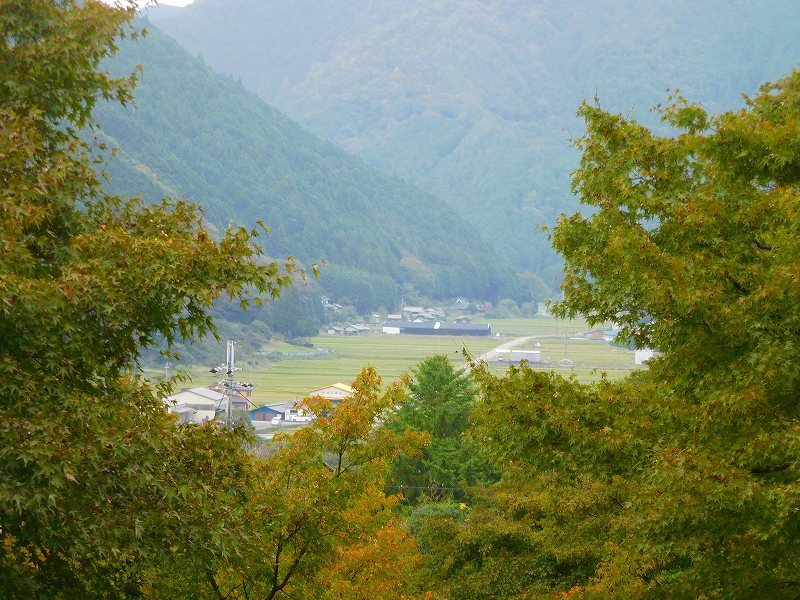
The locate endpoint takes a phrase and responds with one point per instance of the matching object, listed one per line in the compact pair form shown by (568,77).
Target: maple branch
(276,568)
(277,587)
(615,499)
(770,469)
(213,582)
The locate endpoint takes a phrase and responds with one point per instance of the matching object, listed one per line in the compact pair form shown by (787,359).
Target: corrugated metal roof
(205,392)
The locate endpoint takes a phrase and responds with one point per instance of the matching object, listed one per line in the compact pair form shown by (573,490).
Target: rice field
(391,355)
(292,378)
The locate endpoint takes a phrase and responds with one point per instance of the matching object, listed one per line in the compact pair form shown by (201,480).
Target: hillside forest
(192,133)
(681,480)
(475,101)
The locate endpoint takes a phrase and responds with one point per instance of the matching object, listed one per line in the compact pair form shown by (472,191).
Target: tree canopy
(98,486)
(682,480)
(103,494)
(439,404)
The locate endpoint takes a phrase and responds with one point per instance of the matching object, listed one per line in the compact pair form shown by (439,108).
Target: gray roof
(205,392)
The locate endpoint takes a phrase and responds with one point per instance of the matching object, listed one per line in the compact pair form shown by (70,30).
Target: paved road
(491,355)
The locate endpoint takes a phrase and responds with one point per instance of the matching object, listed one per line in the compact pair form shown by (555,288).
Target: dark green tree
(439,403)
(298,314)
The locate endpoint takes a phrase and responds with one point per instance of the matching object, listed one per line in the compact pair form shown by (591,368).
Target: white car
(276,420)
(295,416)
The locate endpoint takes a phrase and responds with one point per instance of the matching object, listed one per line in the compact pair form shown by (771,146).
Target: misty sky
(142,3)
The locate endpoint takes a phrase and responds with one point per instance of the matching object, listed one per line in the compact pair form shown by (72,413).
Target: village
(540,341)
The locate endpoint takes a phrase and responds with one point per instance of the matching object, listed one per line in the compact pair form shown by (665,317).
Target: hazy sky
(142,3)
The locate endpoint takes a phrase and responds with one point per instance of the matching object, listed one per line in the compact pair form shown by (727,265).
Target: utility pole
(229,383)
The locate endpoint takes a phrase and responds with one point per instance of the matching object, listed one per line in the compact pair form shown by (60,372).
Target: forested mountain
(475,100)
(196,134)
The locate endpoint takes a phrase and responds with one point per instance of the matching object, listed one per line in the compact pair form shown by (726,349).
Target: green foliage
(102,493)
(298,314)
(540,529)
(439,404)
(369,292)
(99,487)
(682,480)
(209,350)
(712,217)
(318,506)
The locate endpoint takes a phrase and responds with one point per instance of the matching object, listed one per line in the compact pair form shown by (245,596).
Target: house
(334,393)
(423,317)
(330,306)
(412,311)
(356,329)
(462,319)
(194,405)
(335,330)
(460,304)
(433,314)
(595,334)
(532,356)
(394,317)
(375,319)
(266,413)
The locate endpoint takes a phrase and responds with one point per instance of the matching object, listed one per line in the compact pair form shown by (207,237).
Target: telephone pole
(229,384)
(231,350)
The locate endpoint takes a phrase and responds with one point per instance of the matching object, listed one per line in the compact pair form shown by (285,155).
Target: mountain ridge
(203,135)
(475,101)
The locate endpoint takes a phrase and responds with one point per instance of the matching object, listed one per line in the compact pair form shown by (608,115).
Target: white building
(335,393)
(194,405)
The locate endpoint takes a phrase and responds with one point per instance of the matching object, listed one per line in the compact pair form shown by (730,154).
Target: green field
(520,326)
(390,355)
(292,379)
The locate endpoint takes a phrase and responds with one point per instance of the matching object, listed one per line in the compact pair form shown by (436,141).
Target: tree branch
(770,469)
(277,587)
(213,582)
(276,567)
(616,500)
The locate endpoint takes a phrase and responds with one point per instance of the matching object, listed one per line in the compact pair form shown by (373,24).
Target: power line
(424,487)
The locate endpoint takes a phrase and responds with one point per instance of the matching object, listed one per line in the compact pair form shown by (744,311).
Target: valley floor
(292,378)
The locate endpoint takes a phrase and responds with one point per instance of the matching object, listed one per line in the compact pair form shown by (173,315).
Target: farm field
(390,355)
(522,326)
(292,378)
